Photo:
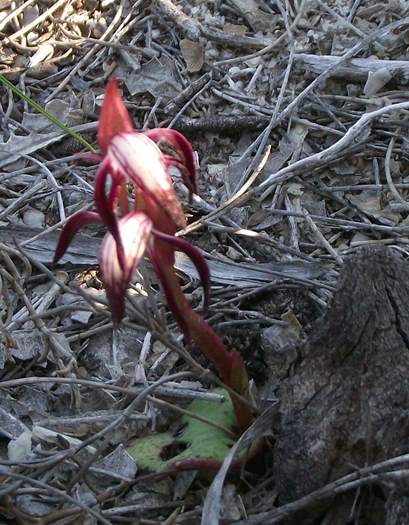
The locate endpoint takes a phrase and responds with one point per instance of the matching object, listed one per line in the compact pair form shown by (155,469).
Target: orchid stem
(228,363)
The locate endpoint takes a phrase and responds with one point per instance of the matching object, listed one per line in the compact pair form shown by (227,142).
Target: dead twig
(355,134)
(186,24)
(357,69)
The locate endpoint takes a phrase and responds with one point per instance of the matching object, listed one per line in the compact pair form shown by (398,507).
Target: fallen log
(346,403)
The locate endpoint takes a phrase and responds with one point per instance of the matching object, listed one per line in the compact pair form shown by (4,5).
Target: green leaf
(197,444)
(147,451)
(57,122)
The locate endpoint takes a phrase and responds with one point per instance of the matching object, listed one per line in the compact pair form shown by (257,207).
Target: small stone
(81,316)
(34,218)
(20,449)
(32,37)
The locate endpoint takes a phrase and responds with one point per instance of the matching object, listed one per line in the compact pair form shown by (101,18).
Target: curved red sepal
(197,258)
(182,147)
(73,224)
(114,117)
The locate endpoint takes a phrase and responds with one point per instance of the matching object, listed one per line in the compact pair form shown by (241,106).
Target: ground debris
(298,112)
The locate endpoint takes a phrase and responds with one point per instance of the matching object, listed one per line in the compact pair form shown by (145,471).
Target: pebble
(34,218)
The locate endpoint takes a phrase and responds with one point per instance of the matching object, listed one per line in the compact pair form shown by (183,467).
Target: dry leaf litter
(298,113)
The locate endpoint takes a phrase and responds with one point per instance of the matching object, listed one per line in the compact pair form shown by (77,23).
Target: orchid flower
(130,157)
(134,157)
(137,236)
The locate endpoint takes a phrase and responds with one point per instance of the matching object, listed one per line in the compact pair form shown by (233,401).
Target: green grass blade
(66,129)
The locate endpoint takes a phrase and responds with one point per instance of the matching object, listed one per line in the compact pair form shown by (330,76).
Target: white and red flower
(132,157)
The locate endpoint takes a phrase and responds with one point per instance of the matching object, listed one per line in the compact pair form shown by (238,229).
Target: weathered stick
(356,69)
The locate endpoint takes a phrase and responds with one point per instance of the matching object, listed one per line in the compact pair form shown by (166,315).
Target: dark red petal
(183,149)
(170,299)
(197,258)
(72,225)
(114,117)
(173,161)
(106,205)
(134,230)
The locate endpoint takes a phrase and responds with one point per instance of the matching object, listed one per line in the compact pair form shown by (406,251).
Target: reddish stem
(228,363)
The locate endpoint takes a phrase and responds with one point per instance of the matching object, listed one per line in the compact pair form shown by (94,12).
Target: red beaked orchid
(132,157)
